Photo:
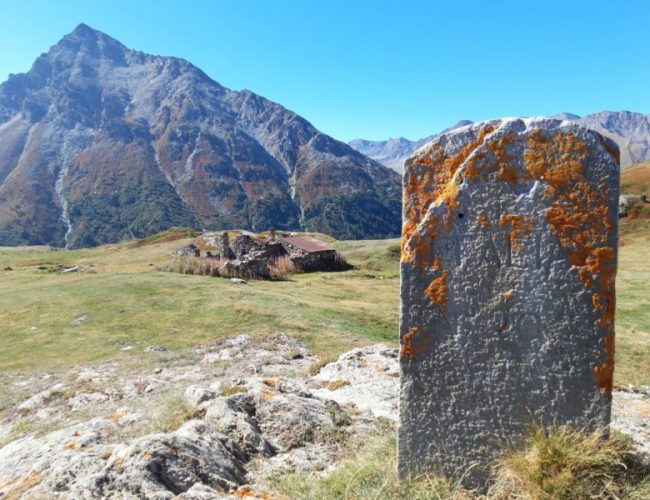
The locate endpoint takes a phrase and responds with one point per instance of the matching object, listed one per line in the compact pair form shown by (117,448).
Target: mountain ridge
(99,142)
(630,130)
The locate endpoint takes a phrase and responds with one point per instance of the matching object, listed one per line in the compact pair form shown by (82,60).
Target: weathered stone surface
(367,378)
(508,266)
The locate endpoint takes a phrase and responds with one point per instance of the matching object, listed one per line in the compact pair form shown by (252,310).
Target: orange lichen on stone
(505,162)
(118,416)
(416,249)
(248,492)
(521,228)
(581,218)
(19,485)
(605,371)
(438,288)
(266,394)
(271,382)
(484,221)
(432,178)
(501,161)
(414,344)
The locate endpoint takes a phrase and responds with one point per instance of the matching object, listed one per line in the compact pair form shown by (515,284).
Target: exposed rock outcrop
(235,421)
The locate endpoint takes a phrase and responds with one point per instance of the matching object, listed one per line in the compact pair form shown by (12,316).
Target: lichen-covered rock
(164,465)
(508,267)
(50,462)
(234,416)
(367,378)
(116,452)
(630,410)
(77,462)
(291,420)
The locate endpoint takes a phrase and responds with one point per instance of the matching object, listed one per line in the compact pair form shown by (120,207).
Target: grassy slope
(633,282)
(636,179)
(127,301)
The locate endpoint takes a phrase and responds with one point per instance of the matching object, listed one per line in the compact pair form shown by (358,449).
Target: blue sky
(376,69)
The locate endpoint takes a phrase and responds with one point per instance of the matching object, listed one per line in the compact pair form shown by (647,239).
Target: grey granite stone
(507,292)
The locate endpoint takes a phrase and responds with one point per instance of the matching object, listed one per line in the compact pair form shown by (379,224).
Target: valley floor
(107,368)
(120,301)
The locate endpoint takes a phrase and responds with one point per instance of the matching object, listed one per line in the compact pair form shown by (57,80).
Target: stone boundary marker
(509,250)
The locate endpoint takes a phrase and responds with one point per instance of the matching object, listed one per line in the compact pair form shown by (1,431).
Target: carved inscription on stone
(507,294)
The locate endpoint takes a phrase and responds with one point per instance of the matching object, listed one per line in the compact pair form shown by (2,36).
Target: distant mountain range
(392,152)
(631,131)
(99,142)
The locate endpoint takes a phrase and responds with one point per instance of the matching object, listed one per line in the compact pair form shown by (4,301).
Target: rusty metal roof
(307,243)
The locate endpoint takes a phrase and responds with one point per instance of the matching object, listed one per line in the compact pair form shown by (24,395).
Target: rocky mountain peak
(99,142)
(85,46)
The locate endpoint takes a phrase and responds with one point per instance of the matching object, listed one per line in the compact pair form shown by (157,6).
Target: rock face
(190,250)
(508,267)
(631,131)
(99,142)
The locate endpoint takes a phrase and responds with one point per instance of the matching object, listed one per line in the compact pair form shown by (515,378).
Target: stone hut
(246,247)
(309,253)
(250,256)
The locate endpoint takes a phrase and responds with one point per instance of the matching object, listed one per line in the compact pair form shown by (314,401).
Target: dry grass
(128,301)
(315,368)
(173,234)
(341,263)
(370,472)
(173,414)
(337,384)
(282,268)
(554,464)
(563,463)
(636,179)
(233,389)
(199,266)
